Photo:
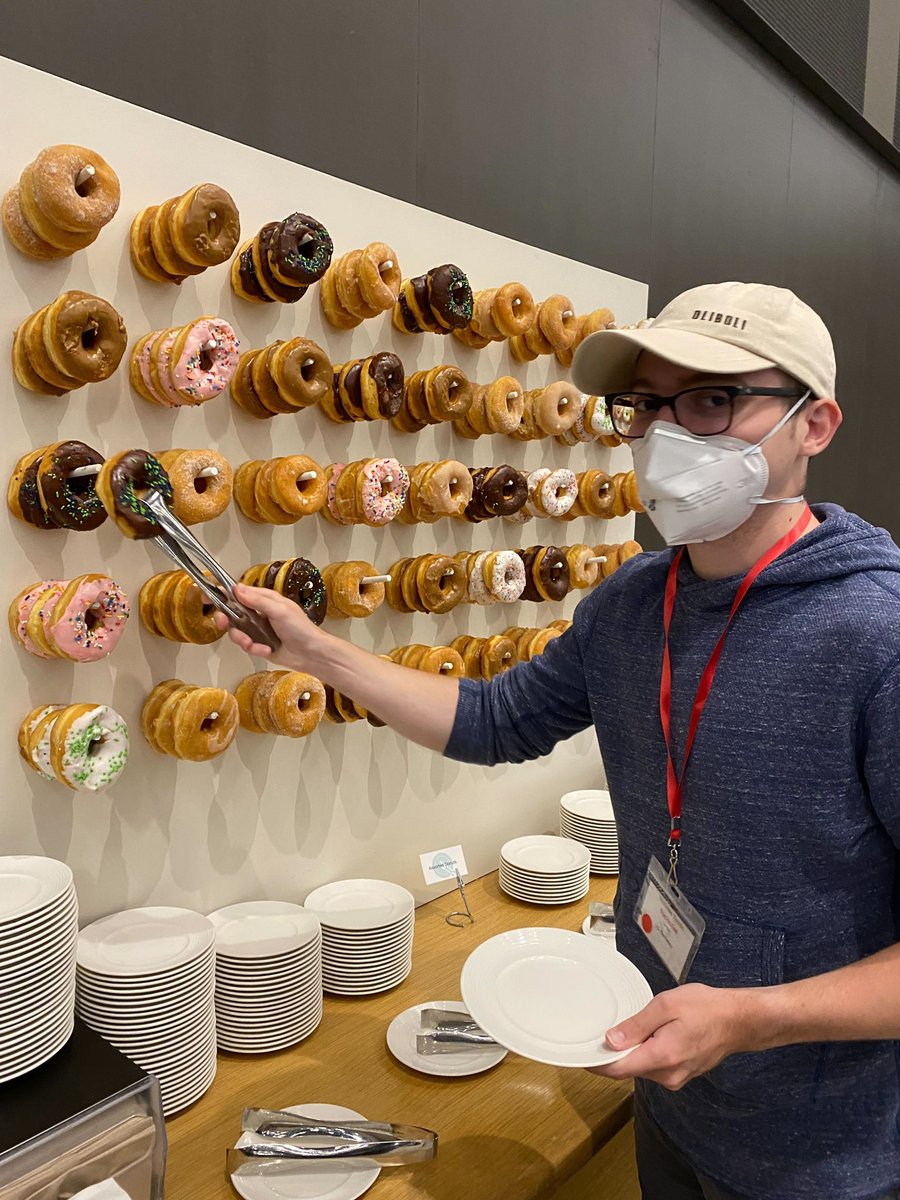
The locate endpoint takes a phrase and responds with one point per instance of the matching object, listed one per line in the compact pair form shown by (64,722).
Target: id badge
(668,920)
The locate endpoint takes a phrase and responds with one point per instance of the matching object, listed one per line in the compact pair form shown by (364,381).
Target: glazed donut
(32,365)
(482,322)
(21,234)
(582,572)
(382,487)
(447,393)
(378,282)
(140,246)
(301,582)
(612,555)
(348,596)
(498,654)
(503,573)
(555,493)
(557,321)
(381,386)
(197,497)
(22,495)
(550,572)
(512,309)
(620,503)
(88,619)
(158,714)
(630,492)
(88,746)
(332,308)
(629,550)
(84,336)
(449,296)
(290,491)
(440,582)
(596,494)
(393,591)
(77,207)
(504,404)
(71,503)
(119,485)
(470,338)
(534,338)
(446,487)
(264,388)
(243,392)
(190,612)
(299,250)
(441,660)
(245,489)
(204,225)
(345,494)
(204,723)
(295,704)
(268,508)
(555,408)
(200,372)
(301,371)
(346,282)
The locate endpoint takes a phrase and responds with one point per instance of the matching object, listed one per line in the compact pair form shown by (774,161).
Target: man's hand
(299,636)
(682,1033)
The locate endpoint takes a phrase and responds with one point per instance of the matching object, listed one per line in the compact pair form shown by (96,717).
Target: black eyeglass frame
(732,391)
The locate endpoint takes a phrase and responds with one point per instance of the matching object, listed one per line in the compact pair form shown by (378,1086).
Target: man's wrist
(765,1017)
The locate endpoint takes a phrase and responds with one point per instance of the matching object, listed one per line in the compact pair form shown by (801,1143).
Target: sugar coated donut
(196,495)
(504,404)
(205,722)
(512,309)
(88,746)
(88,618)
(379,282)
(204,358)
(295,704)
(383,484)
(122,480)
(80,207)
(557,321)
(21,234)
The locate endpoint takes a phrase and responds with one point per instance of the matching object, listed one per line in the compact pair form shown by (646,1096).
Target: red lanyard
(674,783)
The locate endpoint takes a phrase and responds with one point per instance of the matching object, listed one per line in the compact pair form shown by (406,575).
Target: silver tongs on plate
(177,541)
(271,1134)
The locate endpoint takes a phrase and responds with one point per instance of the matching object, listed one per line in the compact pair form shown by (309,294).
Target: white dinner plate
(551,994)
(334,1181)
(591,803)
(143,941)
(29,883)
(34,1055)
(360,903)
(544,853)
(401,1040)
(263,928)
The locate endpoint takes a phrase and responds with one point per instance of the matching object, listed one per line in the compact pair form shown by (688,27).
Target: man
(767,1063)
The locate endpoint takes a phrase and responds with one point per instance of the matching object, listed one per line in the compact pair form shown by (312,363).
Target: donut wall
(271,816)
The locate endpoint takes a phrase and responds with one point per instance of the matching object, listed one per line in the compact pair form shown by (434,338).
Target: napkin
(108,1189)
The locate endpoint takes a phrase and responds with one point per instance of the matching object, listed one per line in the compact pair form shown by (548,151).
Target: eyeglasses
(703,411)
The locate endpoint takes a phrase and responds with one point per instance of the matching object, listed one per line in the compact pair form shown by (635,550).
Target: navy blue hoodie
(790,827)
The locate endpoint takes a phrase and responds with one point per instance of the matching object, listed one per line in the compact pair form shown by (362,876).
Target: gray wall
(650,137)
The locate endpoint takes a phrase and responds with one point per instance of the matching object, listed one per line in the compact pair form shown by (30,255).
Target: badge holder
(668,920)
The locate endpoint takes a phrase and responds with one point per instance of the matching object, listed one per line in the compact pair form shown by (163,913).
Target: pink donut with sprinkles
(203,359)
(506,577)
(144,368)
(383,487)
(164,370)
(20,611)
(94,612)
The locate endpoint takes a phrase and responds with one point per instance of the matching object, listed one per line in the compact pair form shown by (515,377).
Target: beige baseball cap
(722,328)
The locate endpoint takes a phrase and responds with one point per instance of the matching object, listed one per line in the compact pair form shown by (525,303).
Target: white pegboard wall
(270,817)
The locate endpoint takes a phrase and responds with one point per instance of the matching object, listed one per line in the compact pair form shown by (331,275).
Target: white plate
(551,994)
(263,928)
(588,802)
(358,904)
(21,936)
(545,854)
(328,1182)
(401,1040)
(241,968)
(34,1056)
(143,941)
(28,883)
(270,1039)
(367,937)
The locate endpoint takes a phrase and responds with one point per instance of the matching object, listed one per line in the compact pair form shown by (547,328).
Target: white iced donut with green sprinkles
(88,746)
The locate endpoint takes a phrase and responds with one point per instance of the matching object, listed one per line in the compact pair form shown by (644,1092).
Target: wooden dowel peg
(83,472)
(386,265)
(208,473)
(598,558)
(374,579)
(308,362)
(306,475)
(84,175)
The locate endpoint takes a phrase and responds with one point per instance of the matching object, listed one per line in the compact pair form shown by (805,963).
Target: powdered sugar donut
(88,746)
(203,359)
(89,618)
(557,492)
(382,490)
(504,575)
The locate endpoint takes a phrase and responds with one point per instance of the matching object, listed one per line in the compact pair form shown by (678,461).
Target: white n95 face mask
(700,489)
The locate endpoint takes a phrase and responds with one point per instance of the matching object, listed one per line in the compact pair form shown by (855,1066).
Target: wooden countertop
(518,1130)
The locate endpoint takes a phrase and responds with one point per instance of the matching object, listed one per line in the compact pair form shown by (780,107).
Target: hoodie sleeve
(880,734)
(524,712)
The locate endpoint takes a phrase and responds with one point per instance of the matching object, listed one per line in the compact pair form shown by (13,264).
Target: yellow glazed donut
(348,596)
(290,491)
(557,321)
(296,704)
(498,654)
(512,309)
(301,371)
(504,404)
(204,723)
(379,276)
(446,487)
(582,573)
(556,408)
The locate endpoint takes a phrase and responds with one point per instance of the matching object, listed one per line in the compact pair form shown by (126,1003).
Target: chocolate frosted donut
(386,372)
(501,490)
(550,571)
(300,250)
(271,574)
(25,493)
(420,291)
(122,481)
(71,503)
(247,273)
(350,390)
(450,296)
(301,582)
(530,591)
(410,324)
(265,277)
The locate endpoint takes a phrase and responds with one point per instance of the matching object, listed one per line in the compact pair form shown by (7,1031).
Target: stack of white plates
(367,934)
(146,982)
(541,869)
(38,930)
(268,975)
(587,816)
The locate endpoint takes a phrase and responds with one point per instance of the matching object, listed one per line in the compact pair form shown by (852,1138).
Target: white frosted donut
(597,417)
(506,576)
(478,589)
(535,479)
(95,750)
(579,431)
(557,492)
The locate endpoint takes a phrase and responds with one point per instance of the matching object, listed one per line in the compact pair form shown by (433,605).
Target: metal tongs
(285,1136)
(177,541)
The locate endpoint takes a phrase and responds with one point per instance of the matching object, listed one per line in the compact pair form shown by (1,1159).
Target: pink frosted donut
(478,592)
(57,587)
(199,370)
(383,487)
(84,633)
(24,603)
(506,576)
(334,473)
(557,492)
(164,371)
(144,365)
